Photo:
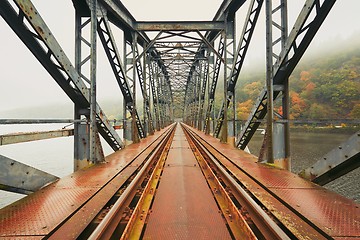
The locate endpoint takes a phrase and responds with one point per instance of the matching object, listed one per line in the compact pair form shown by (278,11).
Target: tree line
(323,87)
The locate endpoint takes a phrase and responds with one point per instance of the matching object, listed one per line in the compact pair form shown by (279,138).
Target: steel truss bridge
(165,178)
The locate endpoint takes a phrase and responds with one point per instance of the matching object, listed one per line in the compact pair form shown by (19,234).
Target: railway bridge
(179,169)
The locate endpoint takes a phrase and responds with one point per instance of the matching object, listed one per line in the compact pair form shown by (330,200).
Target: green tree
(355,112)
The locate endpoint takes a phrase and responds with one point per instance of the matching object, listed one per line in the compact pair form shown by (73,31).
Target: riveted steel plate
(40,213)
(334,214)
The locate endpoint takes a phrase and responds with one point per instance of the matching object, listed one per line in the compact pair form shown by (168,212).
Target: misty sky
(24,82)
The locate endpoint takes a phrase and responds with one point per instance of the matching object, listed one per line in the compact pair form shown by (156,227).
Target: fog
(25,83)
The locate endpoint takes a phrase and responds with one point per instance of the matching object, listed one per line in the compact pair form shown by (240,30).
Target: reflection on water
(307,148)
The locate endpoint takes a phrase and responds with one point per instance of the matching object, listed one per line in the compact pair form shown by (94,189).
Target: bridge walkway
(185,204)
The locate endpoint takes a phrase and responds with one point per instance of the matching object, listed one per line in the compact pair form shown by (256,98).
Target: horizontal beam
(34,136)
(180,26)
(336,163)
(34,121)
(228,9)
(21,178)
(120,12)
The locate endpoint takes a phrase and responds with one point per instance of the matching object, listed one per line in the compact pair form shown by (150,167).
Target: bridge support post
(204,83)
(227,128)
(155,93)
(87,145)
(277,140)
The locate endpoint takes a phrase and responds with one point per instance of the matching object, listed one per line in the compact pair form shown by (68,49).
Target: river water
(308,147)
(55,155)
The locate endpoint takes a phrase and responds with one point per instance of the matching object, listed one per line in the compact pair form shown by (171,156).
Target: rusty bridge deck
(184,204)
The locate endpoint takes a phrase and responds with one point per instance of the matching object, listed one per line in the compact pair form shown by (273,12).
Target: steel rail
(238,223)
(81,223)
(296,225)
(269,229)
(107,227)
(137,221)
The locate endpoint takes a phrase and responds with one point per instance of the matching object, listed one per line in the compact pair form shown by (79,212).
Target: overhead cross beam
(180,26)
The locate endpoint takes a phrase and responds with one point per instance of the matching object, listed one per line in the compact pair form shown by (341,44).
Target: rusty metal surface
(23,237)
(34,136)
(44,210)
(40,212)
(184,207)
(332,213)
(21,178)
(72,228)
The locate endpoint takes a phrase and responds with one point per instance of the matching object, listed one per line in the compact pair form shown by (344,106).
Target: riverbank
(326,129)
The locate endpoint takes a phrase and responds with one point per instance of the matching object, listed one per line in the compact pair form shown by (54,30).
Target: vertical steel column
(134,132)
(215,76)
(145,105)
(277,139)
(148,90)
(159,83)
(154,87)
(282,128)
(197,93)
(224,130)
(87,146)
(128,130)
(231,48)
(269,83)
(81,136)
(93,129)
(203,79)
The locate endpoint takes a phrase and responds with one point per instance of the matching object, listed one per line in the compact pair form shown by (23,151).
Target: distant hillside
(323,86)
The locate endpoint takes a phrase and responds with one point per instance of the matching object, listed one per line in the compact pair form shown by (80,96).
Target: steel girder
(49,53)
(276,143)
(307,24)
(226,12)
(204,82)
(228,9)
(87,145)
(214,81)
(21,178)
(142,80)
(245,39)
(155,100)
(335,163)
(180,26)
(113,55)
(34,136)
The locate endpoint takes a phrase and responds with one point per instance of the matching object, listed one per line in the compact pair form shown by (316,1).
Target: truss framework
(177,71)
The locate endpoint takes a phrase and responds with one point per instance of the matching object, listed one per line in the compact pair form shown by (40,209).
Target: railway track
(127,213)
(246,216)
